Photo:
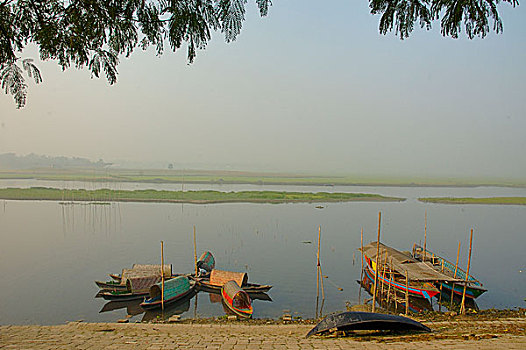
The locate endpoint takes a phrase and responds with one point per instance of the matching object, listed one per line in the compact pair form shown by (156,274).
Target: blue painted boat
(206,262)
(473,288)
(174,290)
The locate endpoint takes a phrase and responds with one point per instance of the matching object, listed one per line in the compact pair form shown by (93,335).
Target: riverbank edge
(468,333)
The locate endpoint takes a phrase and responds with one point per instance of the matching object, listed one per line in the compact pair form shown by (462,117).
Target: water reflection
(133,308)
(91,217)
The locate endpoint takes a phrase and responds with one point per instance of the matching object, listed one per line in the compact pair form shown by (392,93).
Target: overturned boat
(352,320)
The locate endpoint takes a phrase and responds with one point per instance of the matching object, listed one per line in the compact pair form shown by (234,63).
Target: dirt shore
(457,333)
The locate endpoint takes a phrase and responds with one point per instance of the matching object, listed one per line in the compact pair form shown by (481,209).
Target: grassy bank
(44,193)
(240,177)
(469,200)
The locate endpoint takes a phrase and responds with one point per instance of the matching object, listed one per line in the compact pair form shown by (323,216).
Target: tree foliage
(94,33)
(475,16)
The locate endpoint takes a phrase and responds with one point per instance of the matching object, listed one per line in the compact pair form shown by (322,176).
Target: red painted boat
(236,299)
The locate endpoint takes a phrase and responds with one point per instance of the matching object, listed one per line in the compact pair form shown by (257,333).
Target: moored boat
(206,262)
(236,299)
(174,290)
(218,278)
(136,288)
(474,287)
(400,271)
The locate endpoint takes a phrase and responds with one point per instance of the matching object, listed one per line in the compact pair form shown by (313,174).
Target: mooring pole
(463,306)
(406,292)
(375,289)
(318,271)
(425,235)
(195,255)
(454,276)
(361,268)
(162,275)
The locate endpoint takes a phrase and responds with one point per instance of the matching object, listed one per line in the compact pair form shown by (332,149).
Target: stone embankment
(507,333)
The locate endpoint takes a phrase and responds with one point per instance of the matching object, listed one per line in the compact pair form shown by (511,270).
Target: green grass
(44,193)
(488,200)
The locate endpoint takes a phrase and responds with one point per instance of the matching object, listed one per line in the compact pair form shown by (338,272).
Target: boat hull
(419,292)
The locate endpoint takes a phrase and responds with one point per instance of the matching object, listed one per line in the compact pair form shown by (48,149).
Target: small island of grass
(197,197)
(471,200)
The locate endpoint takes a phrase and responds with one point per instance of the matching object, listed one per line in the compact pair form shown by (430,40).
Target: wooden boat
(352,320)
(119,281)
(206,262)
(236,299)
(473,287)
(136,288)
(121,295)
(217,278)
(174,290)
(111,286)
(396,265)
(394,301)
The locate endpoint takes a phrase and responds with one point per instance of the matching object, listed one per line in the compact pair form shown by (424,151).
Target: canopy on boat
(236,297)
(403,262)
(141,284)
(206,262)
(219,277)
(145,271)
(172,287)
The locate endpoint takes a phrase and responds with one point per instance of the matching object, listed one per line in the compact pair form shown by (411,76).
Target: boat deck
(404,263)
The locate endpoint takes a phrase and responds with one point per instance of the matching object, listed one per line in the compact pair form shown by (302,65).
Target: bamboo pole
(406,293)
(195,255)
(463,305)
(390,281)
(376,271)
(319,267)
(440,297)
(425,235)
(162,275)
(361,268)
(384,263)
(318,270)
(454,276)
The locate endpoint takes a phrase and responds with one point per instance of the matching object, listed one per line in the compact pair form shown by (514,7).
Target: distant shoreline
(478,201)
(201,177)
(193,197)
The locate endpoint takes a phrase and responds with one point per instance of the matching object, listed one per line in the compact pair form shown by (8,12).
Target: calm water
(51,254)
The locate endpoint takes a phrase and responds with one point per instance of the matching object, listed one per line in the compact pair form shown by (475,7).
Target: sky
(312,88)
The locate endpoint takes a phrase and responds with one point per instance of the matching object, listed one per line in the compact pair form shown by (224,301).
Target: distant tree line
(12,161)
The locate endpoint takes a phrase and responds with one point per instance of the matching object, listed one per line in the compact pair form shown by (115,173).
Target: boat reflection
(133,307)
(177,308)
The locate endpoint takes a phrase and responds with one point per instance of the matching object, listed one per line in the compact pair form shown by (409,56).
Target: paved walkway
(507,334)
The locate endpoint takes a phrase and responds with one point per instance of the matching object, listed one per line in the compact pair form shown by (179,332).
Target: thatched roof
(220,277)
(142,284)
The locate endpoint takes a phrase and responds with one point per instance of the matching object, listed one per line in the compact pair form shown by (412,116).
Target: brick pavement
(232,336)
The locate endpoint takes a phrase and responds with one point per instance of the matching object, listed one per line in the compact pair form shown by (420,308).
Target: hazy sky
(312,87)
